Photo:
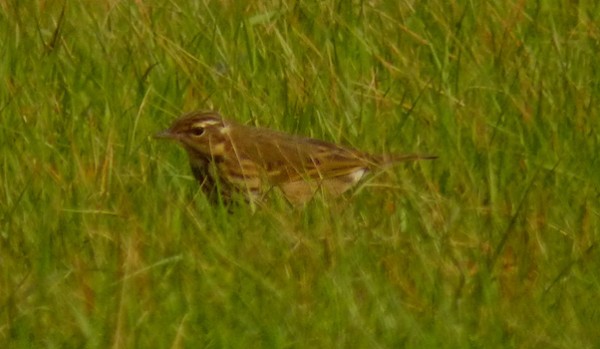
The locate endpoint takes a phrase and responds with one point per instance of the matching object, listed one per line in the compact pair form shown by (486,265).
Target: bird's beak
(166,134)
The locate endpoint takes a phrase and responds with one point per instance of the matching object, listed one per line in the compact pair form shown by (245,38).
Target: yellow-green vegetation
(106,241)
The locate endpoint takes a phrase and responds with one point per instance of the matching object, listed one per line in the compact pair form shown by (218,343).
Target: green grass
(105,240)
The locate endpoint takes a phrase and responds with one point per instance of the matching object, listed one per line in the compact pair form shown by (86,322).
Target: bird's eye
(197,131)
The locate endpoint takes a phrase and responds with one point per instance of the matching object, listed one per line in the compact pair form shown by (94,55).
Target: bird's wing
(290,158)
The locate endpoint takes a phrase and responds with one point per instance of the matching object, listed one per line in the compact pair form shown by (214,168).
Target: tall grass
(105,240)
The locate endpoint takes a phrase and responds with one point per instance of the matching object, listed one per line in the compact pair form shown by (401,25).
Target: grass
(105,240)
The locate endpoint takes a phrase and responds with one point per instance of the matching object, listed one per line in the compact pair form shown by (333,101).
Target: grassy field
(106,241)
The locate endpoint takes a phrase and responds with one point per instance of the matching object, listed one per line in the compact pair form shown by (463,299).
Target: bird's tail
(391,159)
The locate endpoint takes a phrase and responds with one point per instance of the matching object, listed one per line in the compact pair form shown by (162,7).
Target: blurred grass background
(105,240)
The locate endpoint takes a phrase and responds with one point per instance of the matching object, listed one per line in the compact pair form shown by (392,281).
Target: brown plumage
(249,160)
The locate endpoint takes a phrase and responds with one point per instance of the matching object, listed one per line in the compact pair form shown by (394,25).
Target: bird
(227,157)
